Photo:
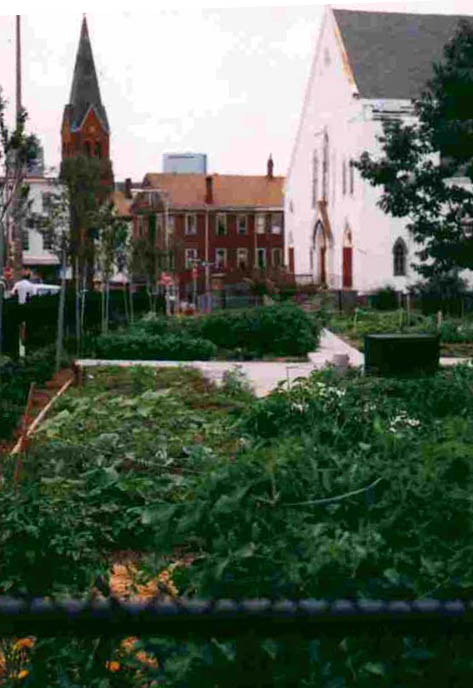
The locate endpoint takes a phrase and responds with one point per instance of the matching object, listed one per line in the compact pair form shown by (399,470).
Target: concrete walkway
(264,376)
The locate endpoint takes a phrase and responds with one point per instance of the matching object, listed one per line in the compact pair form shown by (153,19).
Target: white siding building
(37,249)
(367,66)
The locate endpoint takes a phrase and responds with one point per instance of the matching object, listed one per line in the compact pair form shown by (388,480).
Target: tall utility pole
(17,258)
(18,68)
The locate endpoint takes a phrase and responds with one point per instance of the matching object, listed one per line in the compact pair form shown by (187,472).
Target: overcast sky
(226,81)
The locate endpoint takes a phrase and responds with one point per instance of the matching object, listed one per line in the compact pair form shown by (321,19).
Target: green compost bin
(402,354)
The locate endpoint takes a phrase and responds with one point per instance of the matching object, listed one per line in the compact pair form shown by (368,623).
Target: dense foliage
(282,330)
(141,346)
(15,380)
(40,316)
(418,158)
(342,486)
(456,334)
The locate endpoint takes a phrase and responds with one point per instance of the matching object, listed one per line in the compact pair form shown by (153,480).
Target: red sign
(7,273)
(194,273)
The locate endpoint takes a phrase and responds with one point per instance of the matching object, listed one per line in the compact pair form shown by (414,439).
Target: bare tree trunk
(77,281)
(60,314)
(107,304)
(82,303)
(2,284)
(102,308)
(148,291)
(132,311)
(125,304)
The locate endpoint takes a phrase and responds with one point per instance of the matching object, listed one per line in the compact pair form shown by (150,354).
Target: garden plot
(343,486)
(456,335)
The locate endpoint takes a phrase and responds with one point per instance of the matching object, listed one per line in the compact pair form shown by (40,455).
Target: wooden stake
(24,433)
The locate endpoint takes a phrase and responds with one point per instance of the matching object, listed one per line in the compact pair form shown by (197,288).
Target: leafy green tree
(17,150)
(55,225)
(421,158)
(82,177)
(110,249)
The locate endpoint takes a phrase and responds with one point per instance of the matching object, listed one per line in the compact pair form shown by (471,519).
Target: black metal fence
(333,644)
(228,618)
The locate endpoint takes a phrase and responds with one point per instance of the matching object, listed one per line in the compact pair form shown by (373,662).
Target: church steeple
(85,128)
(85,91)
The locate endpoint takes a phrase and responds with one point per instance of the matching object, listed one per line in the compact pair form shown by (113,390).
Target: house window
(242,224)
(221,225)
(399,258)
(220,257)
(25,240)
(191,257)
(191,224)
(276,223)
(170,223)
(315,178)
(87,150)
(277,257)
(261,258)
(352,178)
(325,168)
(344,177)
(260,223)
(242,258)
(98,149)
(47,241)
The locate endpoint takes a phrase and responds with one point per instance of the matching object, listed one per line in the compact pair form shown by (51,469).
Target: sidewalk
(265,375)
(262,375)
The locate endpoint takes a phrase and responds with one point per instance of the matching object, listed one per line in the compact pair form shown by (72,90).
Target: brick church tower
(85,129)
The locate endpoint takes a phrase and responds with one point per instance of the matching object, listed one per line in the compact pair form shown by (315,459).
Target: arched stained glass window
(399,258)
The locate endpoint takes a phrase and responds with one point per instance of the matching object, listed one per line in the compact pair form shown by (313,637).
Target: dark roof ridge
(391,54)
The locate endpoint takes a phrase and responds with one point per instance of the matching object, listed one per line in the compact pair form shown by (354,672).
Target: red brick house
(231,226)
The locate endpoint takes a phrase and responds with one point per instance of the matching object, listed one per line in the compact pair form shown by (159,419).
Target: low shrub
(385,299)
(143,346)
(281,330)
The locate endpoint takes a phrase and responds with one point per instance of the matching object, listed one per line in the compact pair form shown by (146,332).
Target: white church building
(368,66)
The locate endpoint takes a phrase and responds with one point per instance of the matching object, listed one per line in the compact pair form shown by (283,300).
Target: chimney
(270,167)
(128,193)
(209,196)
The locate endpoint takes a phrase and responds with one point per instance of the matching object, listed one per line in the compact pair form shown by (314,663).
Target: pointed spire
(270,167)
(85,86)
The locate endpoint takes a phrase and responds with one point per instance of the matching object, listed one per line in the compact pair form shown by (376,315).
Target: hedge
(282,330)
(142,346)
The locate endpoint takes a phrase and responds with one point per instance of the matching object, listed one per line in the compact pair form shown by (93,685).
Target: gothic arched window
(98,149)
(315,178)
(325,169)
(399,258)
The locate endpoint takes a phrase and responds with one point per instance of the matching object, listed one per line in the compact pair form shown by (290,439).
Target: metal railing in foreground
(229,618)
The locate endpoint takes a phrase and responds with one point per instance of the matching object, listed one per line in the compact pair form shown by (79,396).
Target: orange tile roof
(122,203)
(228,190)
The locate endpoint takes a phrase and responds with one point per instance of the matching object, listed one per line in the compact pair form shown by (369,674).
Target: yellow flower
(23,673)
(23,642)
(112,666)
